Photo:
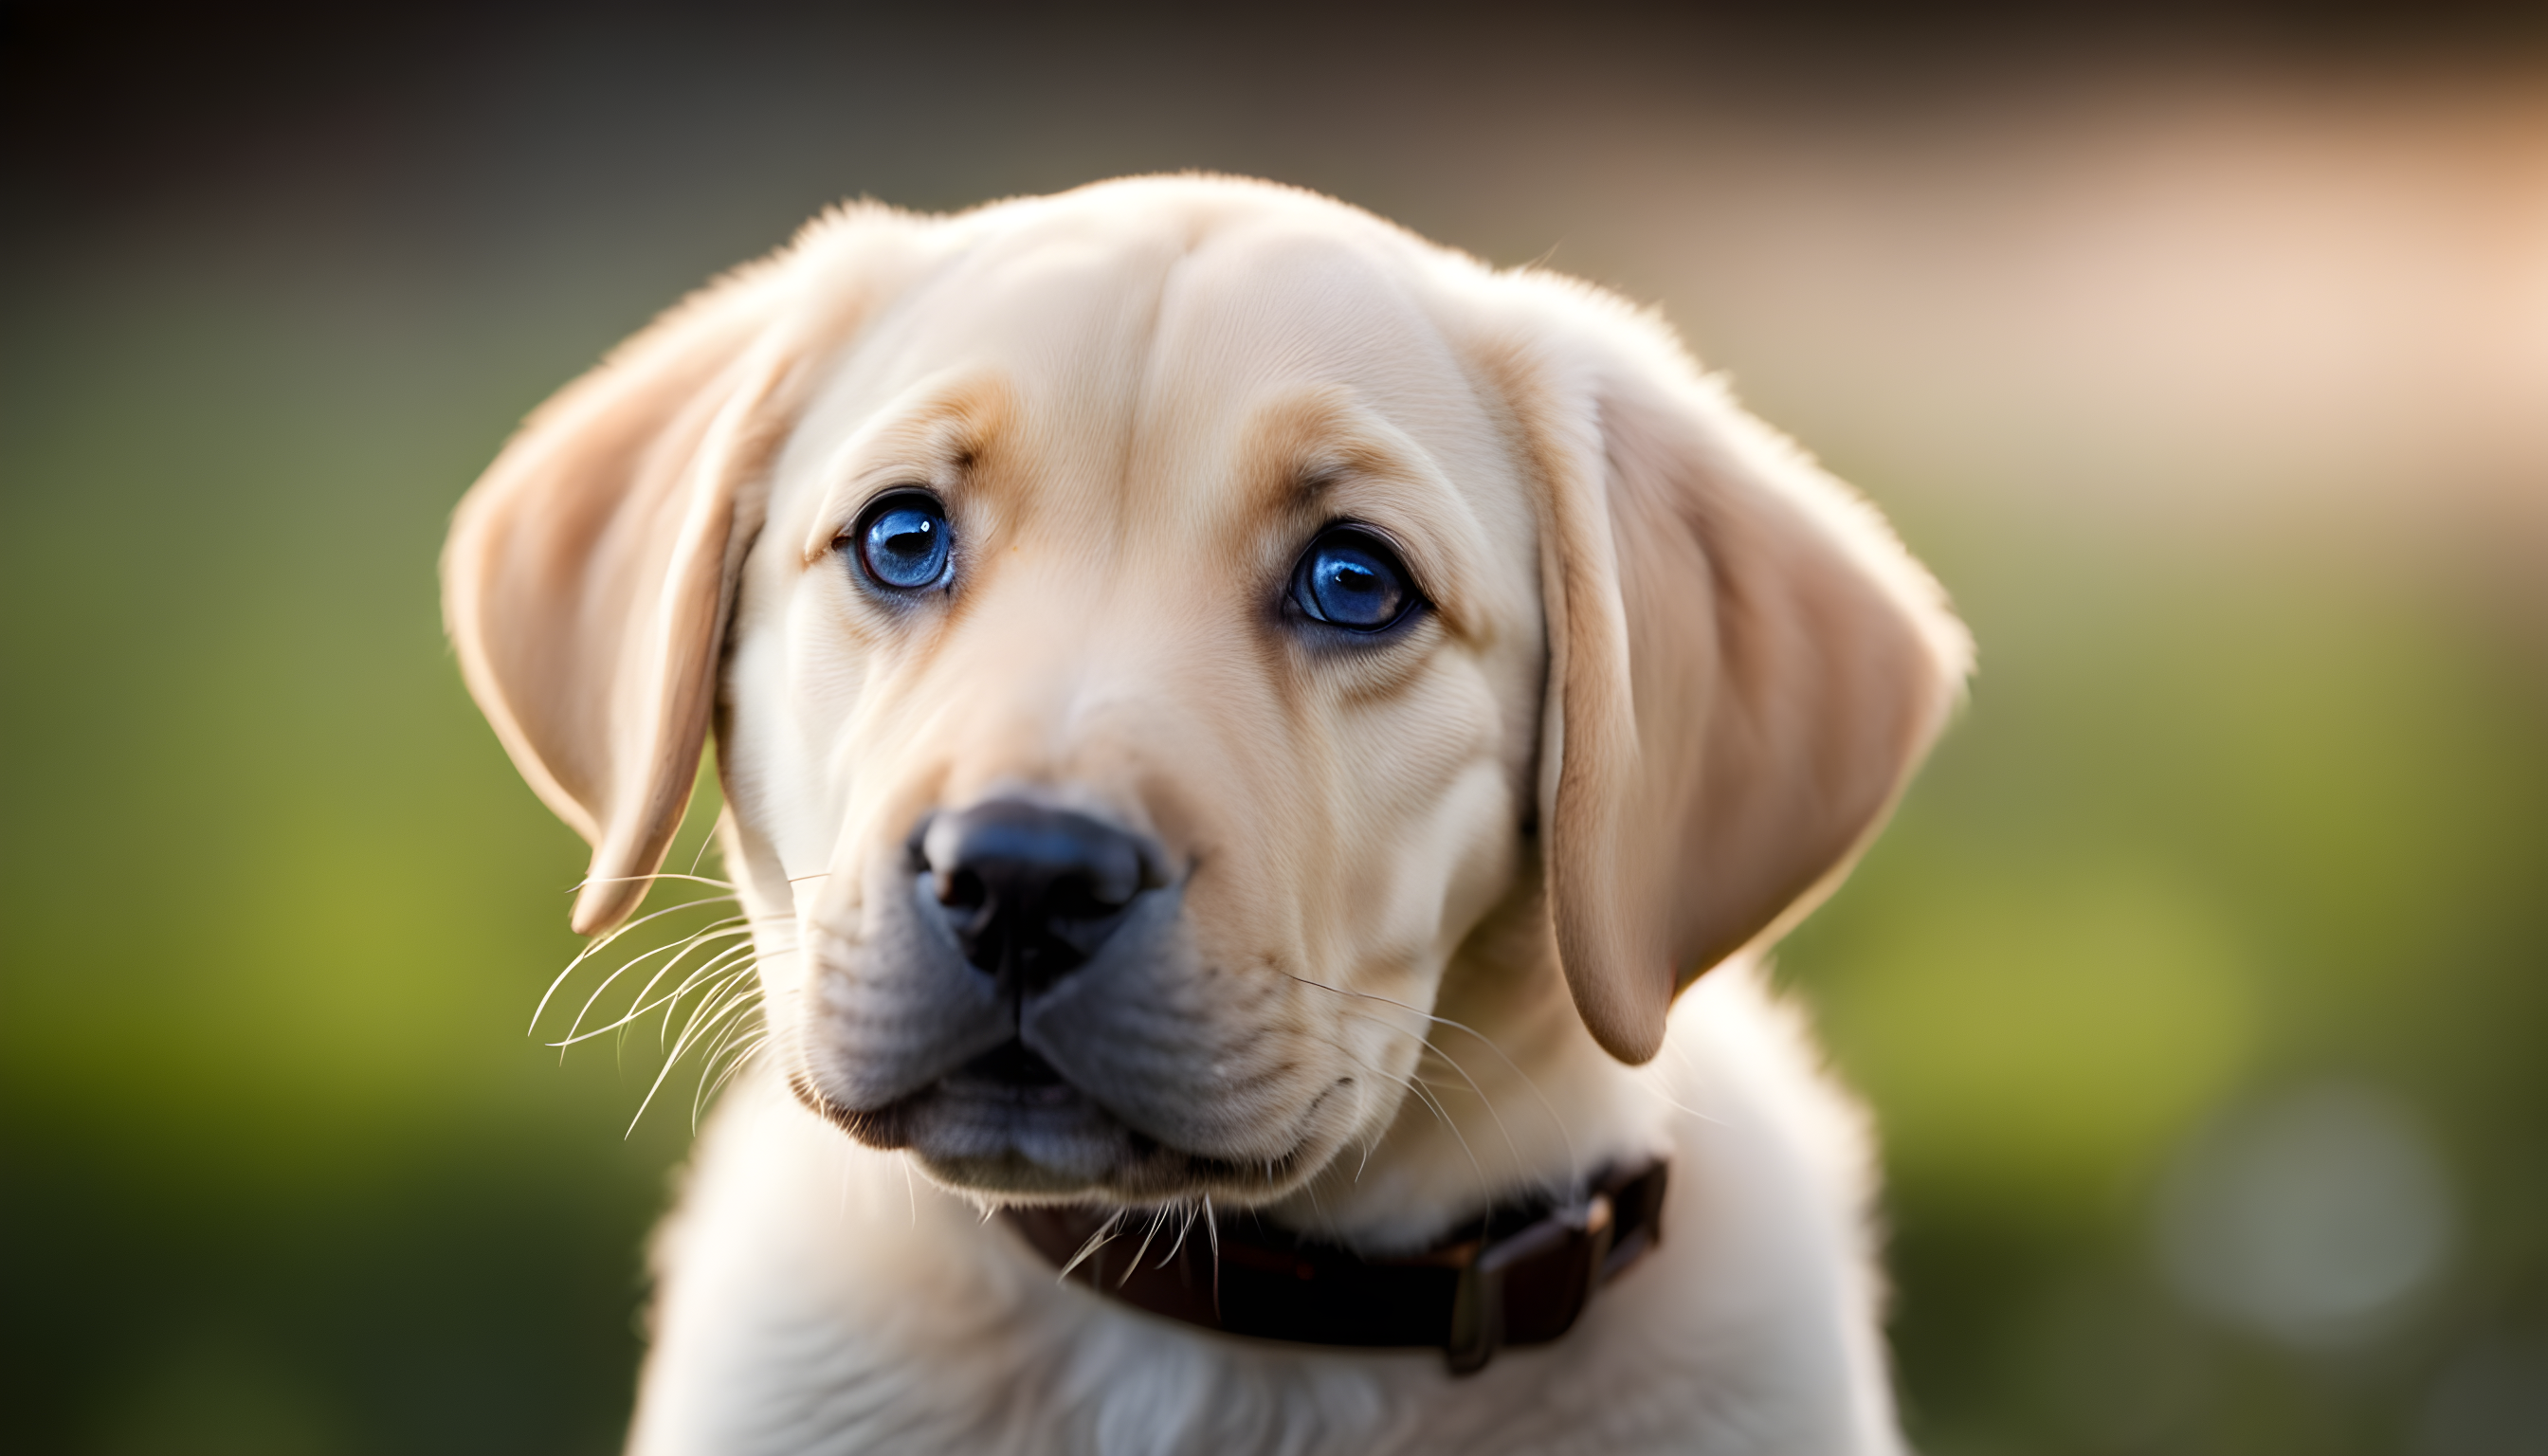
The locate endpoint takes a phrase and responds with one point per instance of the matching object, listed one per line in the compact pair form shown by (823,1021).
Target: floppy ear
(1744,667)
(589,572)
(586,580)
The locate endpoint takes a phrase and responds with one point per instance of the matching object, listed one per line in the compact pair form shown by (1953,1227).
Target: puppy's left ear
(1744,665)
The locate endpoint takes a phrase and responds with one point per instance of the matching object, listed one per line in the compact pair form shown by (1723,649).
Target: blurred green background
(2201,989)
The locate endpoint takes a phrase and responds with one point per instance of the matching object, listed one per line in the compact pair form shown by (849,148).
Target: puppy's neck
(1512,1101)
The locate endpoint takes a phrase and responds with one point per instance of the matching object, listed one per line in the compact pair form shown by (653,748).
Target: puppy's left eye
(1349,578)
(902,543)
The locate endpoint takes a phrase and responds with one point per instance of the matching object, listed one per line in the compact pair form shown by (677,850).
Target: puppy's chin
(1045,1141)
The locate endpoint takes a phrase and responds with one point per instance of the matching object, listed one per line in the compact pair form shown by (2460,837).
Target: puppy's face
(1148,629)
(1131,698)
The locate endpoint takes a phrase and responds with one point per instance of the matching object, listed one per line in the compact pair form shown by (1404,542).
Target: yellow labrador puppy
(1238,726)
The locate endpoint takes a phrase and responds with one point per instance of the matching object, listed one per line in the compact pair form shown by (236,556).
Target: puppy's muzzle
(1030,893)
(1029,1012)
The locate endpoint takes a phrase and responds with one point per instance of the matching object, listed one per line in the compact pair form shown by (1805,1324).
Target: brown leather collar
(1518,1277)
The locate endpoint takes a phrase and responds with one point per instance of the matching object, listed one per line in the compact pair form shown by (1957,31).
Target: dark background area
(2200,990)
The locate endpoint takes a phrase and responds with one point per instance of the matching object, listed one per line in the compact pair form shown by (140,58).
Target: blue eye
(1350,578)
(904,542)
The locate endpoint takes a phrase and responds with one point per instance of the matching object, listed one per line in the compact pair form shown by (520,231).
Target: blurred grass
(284,1172)
(2246,799)
(2265,824)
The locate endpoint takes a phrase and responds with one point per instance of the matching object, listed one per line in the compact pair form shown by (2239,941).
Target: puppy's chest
(957,1342)
(1046,1380)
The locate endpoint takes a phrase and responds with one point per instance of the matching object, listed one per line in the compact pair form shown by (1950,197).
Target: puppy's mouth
(1014,1070)
(1008,1121)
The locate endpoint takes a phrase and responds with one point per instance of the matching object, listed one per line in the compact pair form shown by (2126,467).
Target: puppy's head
(1148,629)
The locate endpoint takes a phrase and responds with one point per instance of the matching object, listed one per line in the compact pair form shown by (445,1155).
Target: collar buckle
(1529,1286)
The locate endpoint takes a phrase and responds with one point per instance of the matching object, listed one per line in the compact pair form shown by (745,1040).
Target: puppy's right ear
(1744,665)
(589,572)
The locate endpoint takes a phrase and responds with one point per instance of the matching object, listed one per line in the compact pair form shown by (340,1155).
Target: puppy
(1238,726)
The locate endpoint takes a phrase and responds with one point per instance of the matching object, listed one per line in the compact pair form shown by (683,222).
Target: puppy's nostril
(1031,891)
(962,890)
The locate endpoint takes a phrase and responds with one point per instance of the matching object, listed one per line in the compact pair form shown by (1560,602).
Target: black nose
(1031,892)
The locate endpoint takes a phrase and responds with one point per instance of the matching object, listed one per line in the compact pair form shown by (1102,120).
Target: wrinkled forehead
(1134,358)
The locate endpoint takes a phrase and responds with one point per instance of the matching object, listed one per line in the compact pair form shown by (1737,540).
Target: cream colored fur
(1436,893)
(816,1297)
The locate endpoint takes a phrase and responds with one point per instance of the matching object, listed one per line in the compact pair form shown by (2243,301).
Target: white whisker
(1157,1219)
(672,1059)
(725,884)
(604,942)
(1097,1241)
(1573,1160)
(641,1006)
(1425,1093)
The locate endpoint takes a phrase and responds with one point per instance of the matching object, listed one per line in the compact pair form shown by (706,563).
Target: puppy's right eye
(902,543)
(1350,578)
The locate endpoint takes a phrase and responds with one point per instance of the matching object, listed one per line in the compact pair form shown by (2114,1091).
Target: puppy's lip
(1008,1082)
(1049,1143)
(996,1135)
